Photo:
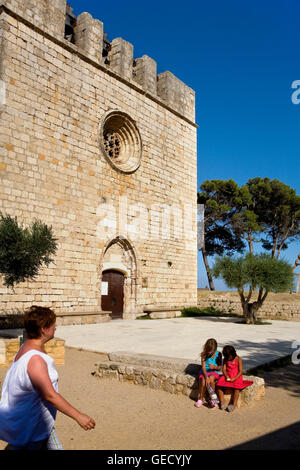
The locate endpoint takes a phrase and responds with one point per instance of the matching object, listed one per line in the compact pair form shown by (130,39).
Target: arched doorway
(112,299)
(119,258)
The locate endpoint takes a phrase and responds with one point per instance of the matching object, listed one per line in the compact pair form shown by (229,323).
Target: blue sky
(241,59)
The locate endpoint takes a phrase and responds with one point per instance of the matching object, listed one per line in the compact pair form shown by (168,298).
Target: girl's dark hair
(37,318)
(209,349)
(229,353)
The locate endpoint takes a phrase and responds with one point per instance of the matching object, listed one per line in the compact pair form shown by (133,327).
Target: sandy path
(133,417)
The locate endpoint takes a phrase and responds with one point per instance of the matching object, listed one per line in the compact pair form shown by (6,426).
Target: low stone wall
(10,321)
(175,376)
(9,347)
(81,318)
(269,310)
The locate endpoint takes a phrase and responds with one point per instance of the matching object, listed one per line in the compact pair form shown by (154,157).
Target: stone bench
(163,312)
(177,376)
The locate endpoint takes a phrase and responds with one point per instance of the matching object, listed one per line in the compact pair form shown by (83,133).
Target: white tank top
(24,415)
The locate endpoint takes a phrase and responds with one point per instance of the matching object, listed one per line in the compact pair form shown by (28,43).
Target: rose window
(121,142)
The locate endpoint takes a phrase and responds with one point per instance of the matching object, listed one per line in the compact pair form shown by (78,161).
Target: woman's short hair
(229,353)
(37,318)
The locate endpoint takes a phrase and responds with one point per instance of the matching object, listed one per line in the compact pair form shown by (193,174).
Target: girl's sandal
(198,403)
(230,408)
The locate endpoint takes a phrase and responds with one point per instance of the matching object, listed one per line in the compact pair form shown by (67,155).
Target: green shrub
(197,312)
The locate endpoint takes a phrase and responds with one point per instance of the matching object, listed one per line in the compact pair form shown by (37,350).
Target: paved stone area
(184,337)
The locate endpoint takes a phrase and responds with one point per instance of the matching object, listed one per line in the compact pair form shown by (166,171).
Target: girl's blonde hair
(209,349)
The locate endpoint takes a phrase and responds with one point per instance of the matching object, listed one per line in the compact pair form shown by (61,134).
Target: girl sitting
(232,378)
(211,361)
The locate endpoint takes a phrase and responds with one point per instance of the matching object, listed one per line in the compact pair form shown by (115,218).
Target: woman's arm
(38,372)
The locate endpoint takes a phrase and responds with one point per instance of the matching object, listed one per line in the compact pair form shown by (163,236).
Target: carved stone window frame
(120,141)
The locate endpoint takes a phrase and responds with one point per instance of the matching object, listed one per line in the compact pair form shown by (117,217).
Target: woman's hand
(212,366)
(85,421)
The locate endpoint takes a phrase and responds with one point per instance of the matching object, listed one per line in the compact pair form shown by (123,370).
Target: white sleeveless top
(24,415)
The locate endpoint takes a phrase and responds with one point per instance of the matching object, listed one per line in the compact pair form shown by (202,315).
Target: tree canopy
(262,211)
(277,208)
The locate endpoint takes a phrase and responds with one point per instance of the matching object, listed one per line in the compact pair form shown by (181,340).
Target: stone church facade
(98,145)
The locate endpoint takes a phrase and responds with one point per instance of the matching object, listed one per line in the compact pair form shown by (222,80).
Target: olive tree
(254,275)
(24,250)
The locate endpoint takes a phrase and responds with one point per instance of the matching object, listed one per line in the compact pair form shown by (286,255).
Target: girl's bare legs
(212,381)
(220,394)
(201,392)
(234,398)
(202,388)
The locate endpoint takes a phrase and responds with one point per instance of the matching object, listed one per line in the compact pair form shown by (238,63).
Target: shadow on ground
(285,377)
(260,353)
(283,439)
(279,373)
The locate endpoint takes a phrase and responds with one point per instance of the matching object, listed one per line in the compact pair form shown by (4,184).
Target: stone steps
(176,376)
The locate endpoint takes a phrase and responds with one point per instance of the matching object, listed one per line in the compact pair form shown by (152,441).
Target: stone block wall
(52,166)
(166,374)
(10,346)
(48,15)
(269,310)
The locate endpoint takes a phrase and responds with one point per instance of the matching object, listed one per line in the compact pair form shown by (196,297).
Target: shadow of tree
(286,438)
(256,353)
(285,377)
(218,319)
(272,362)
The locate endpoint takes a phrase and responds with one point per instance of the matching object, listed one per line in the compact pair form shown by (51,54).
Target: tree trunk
(250,243)
(210,279)
(249,310)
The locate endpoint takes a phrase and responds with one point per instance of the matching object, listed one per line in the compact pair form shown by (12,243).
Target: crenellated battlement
(86,33)
(48,15)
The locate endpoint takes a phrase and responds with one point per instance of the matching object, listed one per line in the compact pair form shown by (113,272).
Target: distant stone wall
(10,346)
(11,321)
(269,310)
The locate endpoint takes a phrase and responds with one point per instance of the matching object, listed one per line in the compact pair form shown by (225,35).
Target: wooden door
(113,300)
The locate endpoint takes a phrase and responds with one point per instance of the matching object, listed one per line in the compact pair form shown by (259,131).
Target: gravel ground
(130,417)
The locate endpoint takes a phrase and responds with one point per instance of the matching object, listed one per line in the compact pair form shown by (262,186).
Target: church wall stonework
(56,102)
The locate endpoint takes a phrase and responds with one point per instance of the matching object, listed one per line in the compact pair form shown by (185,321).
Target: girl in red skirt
(232,378)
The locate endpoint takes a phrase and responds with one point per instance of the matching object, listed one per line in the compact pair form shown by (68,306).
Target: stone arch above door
(120,255)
